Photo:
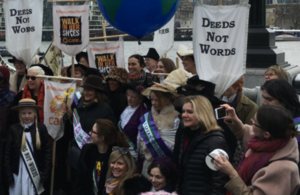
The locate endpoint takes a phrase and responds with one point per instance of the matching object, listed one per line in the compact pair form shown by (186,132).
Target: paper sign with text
(71,27)
(104,56)
(220,36)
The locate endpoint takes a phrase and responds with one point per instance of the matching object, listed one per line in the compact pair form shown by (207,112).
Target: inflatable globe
(138,18)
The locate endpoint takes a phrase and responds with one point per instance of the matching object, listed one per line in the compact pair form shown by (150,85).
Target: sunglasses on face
(30,77)
(1,78)
(122,150)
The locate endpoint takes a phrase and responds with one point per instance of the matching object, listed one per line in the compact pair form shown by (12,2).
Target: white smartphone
(220,113)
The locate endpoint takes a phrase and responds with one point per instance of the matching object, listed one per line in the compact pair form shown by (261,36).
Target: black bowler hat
(83,67)
(152,53)
(195,86)
(13,59)
(80,55)
(45,68)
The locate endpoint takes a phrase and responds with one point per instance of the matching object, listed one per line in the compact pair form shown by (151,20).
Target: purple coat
(131,128)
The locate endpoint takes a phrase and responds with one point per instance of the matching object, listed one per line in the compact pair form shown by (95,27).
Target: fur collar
(166,110)
(13,83)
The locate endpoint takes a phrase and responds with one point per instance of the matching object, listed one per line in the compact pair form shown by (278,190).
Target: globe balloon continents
(138,18)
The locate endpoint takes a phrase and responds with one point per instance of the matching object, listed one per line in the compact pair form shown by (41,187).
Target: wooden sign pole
(220,2)
(53,167)
(104,32)
(177,62)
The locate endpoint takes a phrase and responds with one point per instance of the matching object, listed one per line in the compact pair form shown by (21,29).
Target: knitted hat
(5,71)
(119,74)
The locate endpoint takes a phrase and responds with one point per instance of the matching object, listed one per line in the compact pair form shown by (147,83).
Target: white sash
(32,168)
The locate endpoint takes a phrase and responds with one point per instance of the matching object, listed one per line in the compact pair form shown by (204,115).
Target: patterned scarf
(6,97)
(262,152)
(40,99)
(138,78)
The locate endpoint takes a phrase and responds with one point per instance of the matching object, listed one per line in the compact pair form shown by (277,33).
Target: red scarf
(262,152)
(40,99)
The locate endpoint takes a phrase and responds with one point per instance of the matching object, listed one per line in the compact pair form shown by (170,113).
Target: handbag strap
(284,158)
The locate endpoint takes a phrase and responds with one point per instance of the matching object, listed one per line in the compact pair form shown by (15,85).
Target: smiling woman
(136,64)
(201,135)
(121,168)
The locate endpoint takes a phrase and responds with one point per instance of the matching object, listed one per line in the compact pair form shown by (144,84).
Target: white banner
(220,43)
(23,34)
(164,38)
(55,98)
(104,56)
(80,135)
(71,27)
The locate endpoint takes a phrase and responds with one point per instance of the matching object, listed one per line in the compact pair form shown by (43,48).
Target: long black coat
(88,114)
(13,149)
(84,174)
(197,178)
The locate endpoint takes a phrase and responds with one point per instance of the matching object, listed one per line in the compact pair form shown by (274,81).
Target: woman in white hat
(27,159)
(187,57)
(160,124)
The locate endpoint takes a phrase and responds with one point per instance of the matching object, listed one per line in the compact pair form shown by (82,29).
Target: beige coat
(278,178)
(13,83)
(246,109)
(167,123)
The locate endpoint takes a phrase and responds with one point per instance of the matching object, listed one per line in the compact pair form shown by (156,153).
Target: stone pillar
(262,51)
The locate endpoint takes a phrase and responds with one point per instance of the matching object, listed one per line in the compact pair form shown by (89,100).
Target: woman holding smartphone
(201,135)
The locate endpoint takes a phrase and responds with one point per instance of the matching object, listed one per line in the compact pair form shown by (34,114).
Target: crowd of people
(150,135)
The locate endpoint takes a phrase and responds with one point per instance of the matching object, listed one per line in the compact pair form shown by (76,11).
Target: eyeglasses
(94,132)
(269,74)
(122,150)
(30,77)
(252,123)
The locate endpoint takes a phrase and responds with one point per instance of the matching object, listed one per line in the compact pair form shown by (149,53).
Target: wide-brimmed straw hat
(119,74)
(93,82)
(184,51)
(27,103)
(178,77)
(161,87)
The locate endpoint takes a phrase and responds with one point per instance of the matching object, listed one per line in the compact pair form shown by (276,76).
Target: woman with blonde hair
(201,135)
(121,167)
(27,158)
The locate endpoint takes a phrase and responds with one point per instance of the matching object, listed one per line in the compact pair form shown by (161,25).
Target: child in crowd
(27,157)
